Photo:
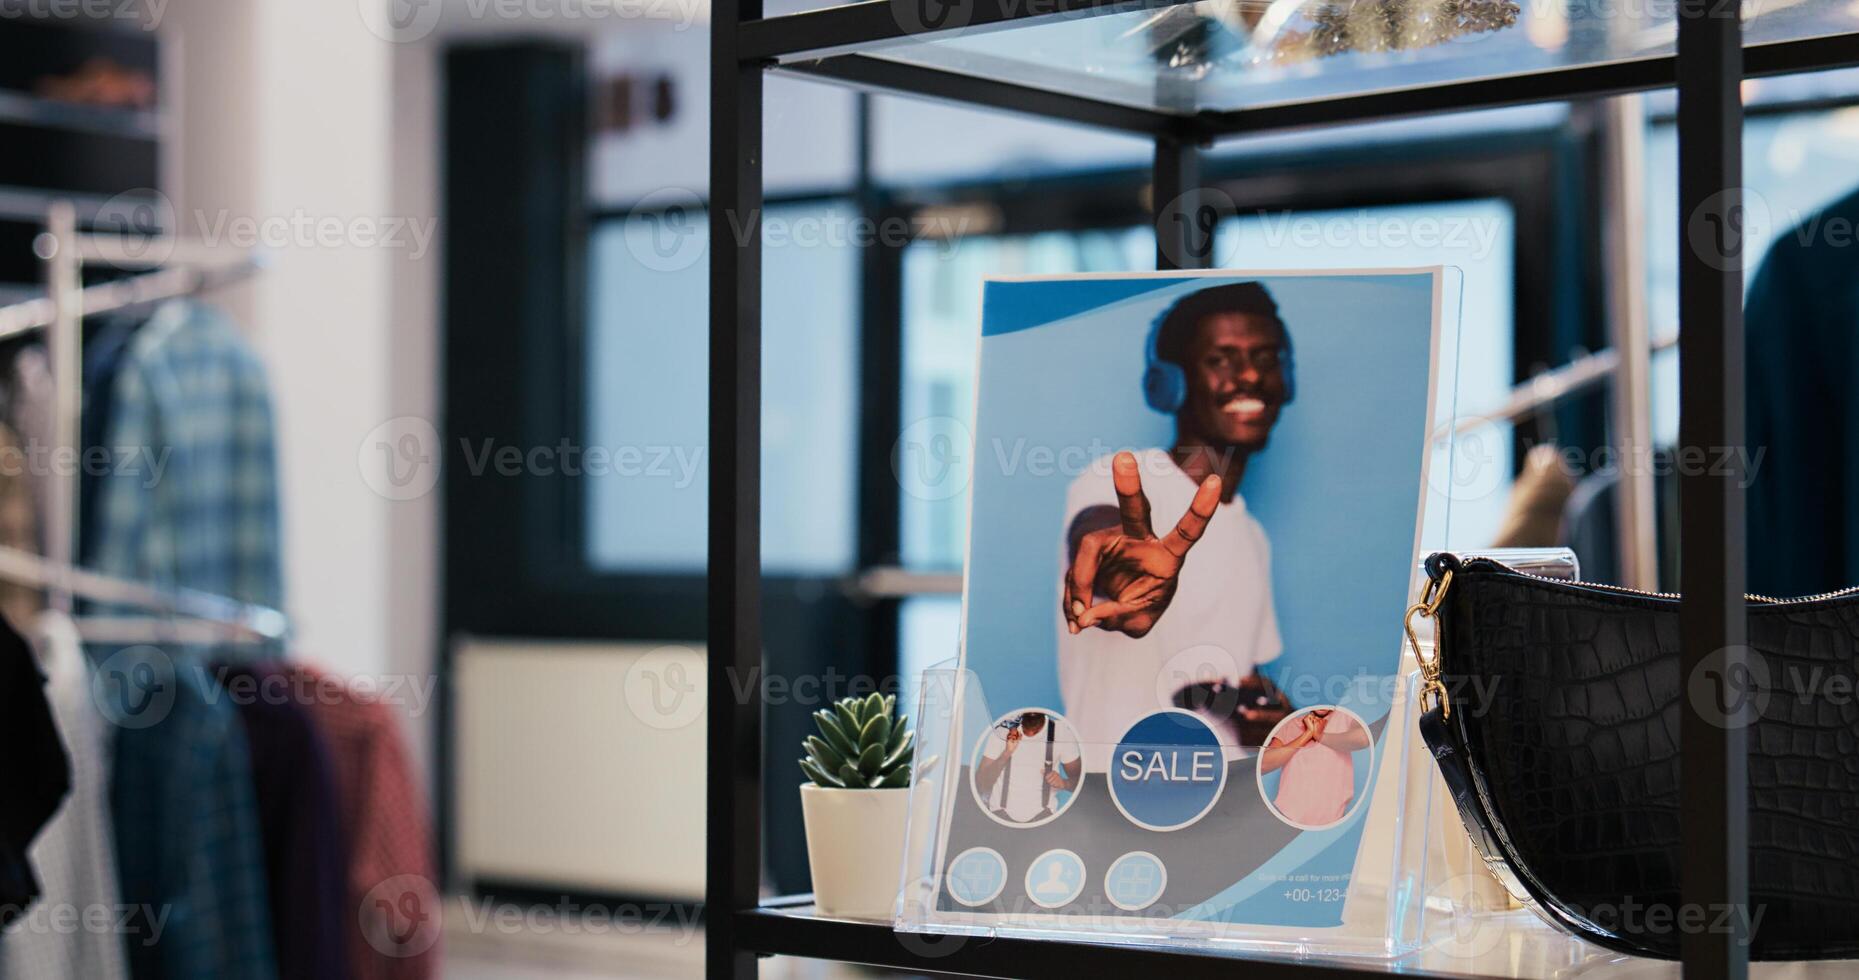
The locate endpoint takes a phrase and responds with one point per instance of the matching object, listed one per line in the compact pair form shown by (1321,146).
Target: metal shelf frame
(831,44)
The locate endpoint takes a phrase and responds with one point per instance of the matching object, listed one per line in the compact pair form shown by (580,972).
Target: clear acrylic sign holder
(1076,863)
(1008,894)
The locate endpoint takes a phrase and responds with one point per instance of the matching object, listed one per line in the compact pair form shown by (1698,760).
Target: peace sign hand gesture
(1128,564)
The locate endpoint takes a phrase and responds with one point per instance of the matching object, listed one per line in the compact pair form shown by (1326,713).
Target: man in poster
(1219,361)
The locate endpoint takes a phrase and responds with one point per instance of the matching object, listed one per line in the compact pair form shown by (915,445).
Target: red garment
(392,884)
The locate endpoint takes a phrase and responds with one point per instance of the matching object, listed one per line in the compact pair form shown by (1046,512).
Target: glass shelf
(1224,55)
(1515,945)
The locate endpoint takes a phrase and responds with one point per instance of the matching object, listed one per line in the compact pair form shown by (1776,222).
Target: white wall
(412,544)
(292,112)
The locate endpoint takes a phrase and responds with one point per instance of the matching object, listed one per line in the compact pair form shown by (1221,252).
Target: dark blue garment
(103,352)
(1802,362)
(187,836)
(305,857)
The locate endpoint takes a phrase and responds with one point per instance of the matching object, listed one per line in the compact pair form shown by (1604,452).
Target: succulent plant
(860,745)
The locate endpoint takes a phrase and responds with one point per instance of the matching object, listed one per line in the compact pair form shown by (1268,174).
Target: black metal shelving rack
(1707,70)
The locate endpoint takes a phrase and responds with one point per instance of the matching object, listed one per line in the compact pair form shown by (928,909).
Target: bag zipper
(1434,689)
(1624,590)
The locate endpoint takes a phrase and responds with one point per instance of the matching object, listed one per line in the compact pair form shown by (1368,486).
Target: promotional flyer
(1196,503)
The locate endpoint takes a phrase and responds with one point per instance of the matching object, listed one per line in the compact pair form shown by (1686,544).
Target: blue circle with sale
(1168,771)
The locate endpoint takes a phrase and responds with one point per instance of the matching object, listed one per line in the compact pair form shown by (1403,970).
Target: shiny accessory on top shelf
(1552,709)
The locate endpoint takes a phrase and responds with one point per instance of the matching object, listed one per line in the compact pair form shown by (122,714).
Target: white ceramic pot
(855,846)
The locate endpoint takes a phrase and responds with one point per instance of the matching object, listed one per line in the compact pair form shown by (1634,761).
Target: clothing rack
(1552,386)
(183,269)
(218,619)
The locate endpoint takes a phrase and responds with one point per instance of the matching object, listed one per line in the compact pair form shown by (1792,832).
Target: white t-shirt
(1025,775)
(1219,627)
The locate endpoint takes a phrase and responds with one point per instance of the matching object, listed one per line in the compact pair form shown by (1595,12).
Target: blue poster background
(1337,492)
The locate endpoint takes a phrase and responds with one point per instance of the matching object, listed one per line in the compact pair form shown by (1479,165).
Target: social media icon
(1135,880)
(977,876)
(1055,878)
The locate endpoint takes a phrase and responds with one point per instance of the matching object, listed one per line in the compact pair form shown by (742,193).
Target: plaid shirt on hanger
(198,506)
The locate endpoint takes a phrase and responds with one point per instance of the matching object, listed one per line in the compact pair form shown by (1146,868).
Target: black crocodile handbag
(1553,709)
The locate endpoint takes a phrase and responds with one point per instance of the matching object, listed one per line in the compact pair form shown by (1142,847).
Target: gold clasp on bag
(1428,608)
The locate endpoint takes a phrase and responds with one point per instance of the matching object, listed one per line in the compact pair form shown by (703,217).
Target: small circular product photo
(1028,768)
(1315,766)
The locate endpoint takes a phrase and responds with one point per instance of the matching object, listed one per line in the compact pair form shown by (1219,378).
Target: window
(648,383)
(941,326)
(1794,163)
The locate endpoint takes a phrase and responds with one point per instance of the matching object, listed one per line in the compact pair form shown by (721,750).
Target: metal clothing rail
(1546,389)
(228,619)
(181,615)
(149,287)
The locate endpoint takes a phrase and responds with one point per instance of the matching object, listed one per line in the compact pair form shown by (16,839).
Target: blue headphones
(1165,384)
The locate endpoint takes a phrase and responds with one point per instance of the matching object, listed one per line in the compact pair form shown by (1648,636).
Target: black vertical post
(881,403)
(1183,226)
(1714,775)
(733,853)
